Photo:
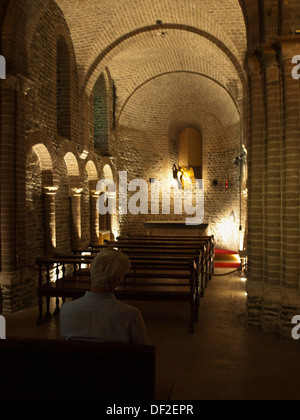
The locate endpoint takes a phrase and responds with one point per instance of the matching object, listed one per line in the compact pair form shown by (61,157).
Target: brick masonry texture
(104,88)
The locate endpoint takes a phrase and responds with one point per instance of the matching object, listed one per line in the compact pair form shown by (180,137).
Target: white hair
(108,268)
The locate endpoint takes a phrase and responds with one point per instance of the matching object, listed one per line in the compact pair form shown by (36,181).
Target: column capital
(95,193)
(76,192)
(50,190)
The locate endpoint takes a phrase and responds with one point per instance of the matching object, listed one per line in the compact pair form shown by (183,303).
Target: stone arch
(40,199)
(91,170)
(14,43)
(191,150)
(170,73)
(106,168)
(67,87)
(72,165)
(42,146)
(75,192)
(45,162)
(63,88)
(95,69)
(101,114)
(108,222)
(94,220)
(107,172)
(68,154)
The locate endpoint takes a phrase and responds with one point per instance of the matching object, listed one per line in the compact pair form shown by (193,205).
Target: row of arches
(61,199)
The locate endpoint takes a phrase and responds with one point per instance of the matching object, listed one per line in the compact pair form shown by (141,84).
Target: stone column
(76,194)
(255,198)
(272,190)
(50,219)
(291,180)
(8,162)
(94,217)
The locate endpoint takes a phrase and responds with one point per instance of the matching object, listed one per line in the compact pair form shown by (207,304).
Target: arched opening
(107,221)
(190,150)
(94,218)
(45,162)
(72,166)
(40,203)
(101,123)
(63,89)
(34,225)
(75,194)
(107,172)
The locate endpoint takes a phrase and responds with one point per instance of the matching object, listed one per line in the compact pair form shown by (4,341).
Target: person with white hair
(99,315)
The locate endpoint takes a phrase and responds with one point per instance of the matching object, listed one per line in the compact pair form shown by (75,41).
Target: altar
(175,229)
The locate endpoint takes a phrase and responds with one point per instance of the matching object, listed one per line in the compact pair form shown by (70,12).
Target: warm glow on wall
(115,228)
(227,231)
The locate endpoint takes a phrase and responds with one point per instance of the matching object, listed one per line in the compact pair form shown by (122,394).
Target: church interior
(108,110)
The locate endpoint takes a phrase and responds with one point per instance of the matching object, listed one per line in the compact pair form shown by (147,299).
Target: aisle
(222,360)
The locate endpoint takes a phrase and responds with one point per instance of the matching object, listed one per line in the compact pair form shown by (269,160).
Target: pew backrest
(35,369)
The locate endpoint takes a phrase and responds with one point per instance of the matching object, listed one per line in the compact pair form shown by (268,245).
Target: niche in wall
(63,93)
(190,150)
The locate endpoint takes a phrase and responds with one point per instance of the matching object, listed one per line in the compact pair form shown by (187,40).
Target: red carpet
(225,252)
(229,259)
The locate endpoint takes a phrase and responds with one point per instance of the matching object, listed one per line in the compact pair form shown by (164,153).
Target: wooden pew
(160,271)
(34,369)
(167,278)
(179,240)
(135,248)
(158,250)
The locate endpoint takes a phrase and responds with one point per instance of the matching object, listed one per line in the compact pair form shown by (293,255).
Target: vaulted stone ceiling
(206,37)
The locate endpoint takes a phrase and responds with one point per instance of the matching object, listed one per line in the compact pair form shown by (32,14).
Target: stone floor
(223,360)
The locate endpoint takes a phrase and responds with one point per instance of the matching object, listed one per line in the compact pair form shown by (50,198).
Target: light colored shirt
(103,318)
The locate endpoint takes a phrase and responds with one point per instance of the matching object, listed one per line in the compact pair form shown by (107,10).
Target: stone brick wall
(273,285)
(79,100)
(149,146)
(101,120)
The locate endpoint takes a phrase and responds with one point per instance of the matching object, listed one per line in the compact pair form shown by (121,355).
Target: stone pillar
(291,182)
(94,217)
(76,194)
(50,220)
(13,93)
(272,190)
(291,169)
(255,183)
(8,162)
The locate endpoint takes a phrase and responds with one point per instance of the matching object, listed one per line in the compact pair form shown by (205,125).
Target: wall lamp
(241,159)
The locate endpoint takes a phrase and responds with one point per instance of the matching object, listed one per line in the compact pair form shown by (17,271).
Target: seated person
(99,315)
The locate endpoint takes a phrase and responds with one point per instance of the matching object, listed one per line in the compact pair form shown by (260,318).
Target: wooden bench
(138,246)
(159,250)
(178,240)
(34,369)
(151,279)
